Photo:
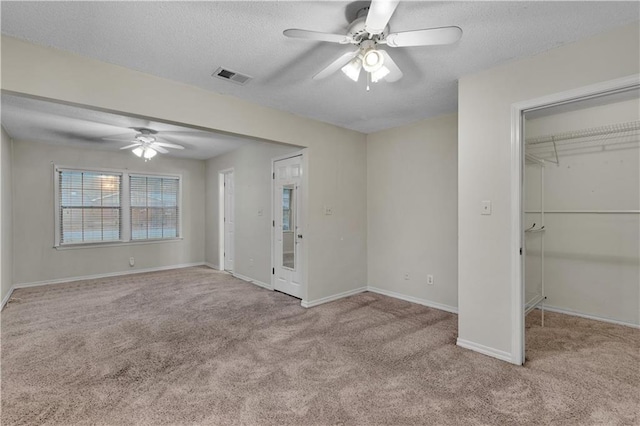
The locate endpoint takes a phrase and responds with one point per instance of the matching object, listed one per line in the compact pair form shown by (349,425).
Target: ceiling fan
(145,143)
(369,30)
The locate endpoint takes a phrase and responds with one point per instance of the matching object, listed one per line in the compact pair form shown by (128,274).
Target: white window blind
(154,207)
(89,206)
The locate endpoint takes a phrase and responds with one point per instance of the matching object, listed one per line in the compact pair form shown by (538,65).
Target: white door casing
(288,226)
(229,222)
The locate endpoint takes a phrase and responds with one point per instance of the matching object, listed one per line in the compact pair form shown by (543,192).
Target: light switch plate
(485,207)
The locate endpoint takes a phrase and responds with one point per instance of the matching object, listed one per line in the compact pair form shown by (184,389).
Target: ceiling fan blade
(379,14)
(182,133)
(130,146)
(125,136)
(394,72)
(428,37)
(168,145)
(129,139)
(159,148)
(336,65)
(315,35)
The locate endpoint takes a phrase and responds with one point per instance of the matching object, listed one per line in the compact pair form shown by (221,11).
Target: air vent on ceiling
(228,75)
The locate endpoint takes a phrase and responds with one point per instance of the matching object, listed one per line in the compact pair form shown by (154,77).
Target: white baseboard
(7,297)
(252,281)
(588,316)
(107,275)
(412,299)
(312,303)
(212,266)
(485,350)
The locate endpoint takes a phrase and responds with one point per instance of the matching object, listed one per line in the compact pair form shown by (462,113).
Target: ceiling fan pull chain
(368,80)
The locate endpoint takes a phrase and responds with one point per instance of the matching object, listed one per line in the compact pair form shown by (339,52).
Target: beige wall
(6,230)
(592,262)
(252,180)
(36,260)
(337,157)
(484,169)
(412,207)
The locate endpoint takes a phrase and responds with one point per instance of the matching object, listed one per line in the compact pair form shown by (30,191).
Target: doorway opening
(574,214)
(226,216)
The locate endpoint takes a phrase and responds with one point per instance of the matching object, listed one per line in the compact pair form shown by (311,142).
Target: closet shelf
(629,127)
(548,148)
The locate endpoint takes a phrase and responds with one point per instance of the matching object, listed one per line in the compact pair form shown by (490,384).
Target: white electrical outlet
(406,277)
(429,279)
(132,261)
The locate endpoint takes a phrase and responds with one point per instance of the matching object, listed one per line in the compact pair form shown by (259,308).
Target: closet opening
(580,222)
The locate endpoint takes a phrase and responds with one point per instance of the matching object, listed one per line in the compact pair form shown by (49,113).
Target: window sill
(117,244)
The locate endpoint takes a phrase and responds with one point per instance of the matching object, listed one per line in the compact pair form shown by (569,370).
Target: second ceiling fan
(369,30)
(145,143)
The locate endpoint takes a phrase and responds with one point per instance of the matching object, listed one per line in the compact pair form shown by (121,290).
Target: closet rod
(596,131)
(585,211)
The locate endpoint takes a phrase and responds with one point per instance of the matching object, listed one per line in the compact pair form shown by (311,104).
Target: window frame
(290,223)
(178,206)
(125,208)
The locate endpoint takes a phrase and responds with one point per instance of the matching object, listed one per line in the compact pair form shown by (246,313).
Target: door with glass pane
(288,226)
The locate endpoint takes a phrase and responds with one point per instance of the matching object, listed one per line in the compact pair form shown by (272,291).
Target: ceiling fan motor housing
(144,130)
(357,30)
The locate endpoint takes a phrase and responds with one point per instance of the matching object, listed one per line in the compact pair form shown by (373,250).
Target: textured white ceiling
(187,41)
(48,122)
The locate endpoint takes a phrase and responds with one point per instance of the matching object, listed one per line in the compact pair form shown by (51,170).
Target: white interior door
(229,223)
(288,226)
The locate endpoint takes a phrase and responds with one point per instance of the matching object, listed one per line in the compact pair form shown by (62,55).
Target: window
(89,206)
(95,207)
(154,207)
(287,198)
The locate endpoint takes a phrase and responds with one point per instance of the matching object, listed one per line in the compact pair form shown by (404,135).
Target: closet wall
(592,261)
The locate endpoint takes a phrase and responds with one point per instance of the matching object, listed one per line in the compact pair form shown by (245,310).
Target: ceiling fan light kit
(144,151)
(379,74)
(372,60)
(352,69)
(146,144)
(367,31)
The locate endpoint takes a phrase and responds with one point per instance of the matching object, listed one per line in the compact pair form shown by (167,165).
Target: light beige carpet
(195,346)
